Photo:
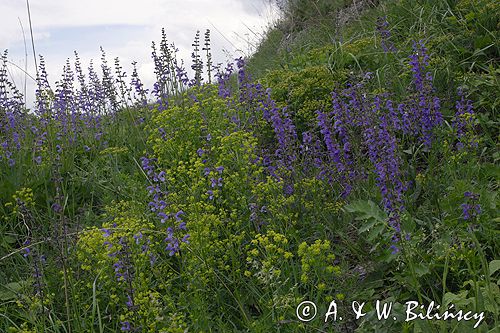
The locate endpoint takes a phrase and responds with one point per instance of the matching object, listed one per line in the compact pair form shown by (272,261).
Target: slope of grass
(353,159)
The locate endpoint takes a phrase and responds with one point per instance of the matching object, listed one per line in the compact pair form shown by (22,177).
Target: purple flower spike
(130,302)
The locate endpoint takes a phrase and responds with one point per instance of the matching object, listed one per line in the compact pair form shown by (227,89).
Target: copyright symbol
(306,311)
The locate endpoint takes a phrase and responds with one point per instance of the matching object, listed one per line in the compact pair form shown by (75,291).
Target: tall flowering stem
(385,35)
(285,154)
(140,93)
(333,149)
(382,147)
(223,77)
(158,205)
(11,115)
(124,274)
(463,123)
(423,112)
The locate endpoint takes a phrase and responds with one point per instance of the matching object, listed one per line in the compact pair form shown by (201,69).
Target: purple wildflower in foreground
(424,113)
(37,261)
(382,148)
(471,208)
(310,150)
(419,60)
(343,120)
(159,206)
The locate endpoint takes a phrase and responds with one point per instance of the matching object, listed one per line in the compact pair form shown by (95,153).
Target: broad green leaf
(366,209)
(367,226)
(421,269)
(494,266)
(457,299)
(375,232)
(10,290)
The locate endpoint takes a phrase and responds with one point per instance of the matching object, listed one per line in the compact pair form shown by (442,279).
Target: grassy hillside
(351,162)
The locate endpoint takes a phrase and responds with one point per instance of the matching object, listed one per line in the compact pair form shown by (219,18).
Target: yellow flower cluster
(317,264)
(22,198)
(267,254)
(304,91)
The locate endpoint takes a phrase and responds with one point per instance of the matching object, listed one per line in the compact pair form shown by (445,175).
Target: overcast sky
(125,29)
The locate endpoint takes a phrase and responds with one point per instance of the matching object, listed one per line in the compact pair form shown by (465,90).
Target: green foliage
(304,92)
(253,251)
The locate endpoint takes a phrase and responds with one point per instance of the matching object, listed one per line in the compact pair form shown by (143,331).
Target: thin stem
(31,33)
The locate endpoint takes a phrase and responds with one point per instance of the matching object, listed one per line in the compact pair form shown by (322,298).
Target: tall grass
(341,163)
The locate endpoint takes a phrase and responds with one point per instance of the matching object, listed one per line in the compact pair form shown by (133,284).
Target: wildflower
(26,251)
(163,217)
(178,214)
(130,302)
(385,34)
(471,208)
(152,259)
(160,177)
(394,249)
(223,81)
(56,207)
(163,134)
(424,110)
(288,189)
(138,237)
(463,122)
(140,92)
(107,232)
(126,327)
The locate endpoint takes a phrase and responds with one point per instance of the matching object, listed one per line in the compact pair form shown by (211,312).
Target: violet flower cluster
(159,206)
(471,209)
(422,114)
(124,274)
(11,106)
(223,77)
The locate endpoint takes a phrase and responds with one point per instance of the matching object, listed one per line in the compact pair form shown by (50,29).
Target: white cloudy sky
(125,29)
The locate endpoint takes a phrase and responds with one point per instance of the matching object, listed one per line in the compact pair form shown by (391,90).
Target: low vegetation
(352,159)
